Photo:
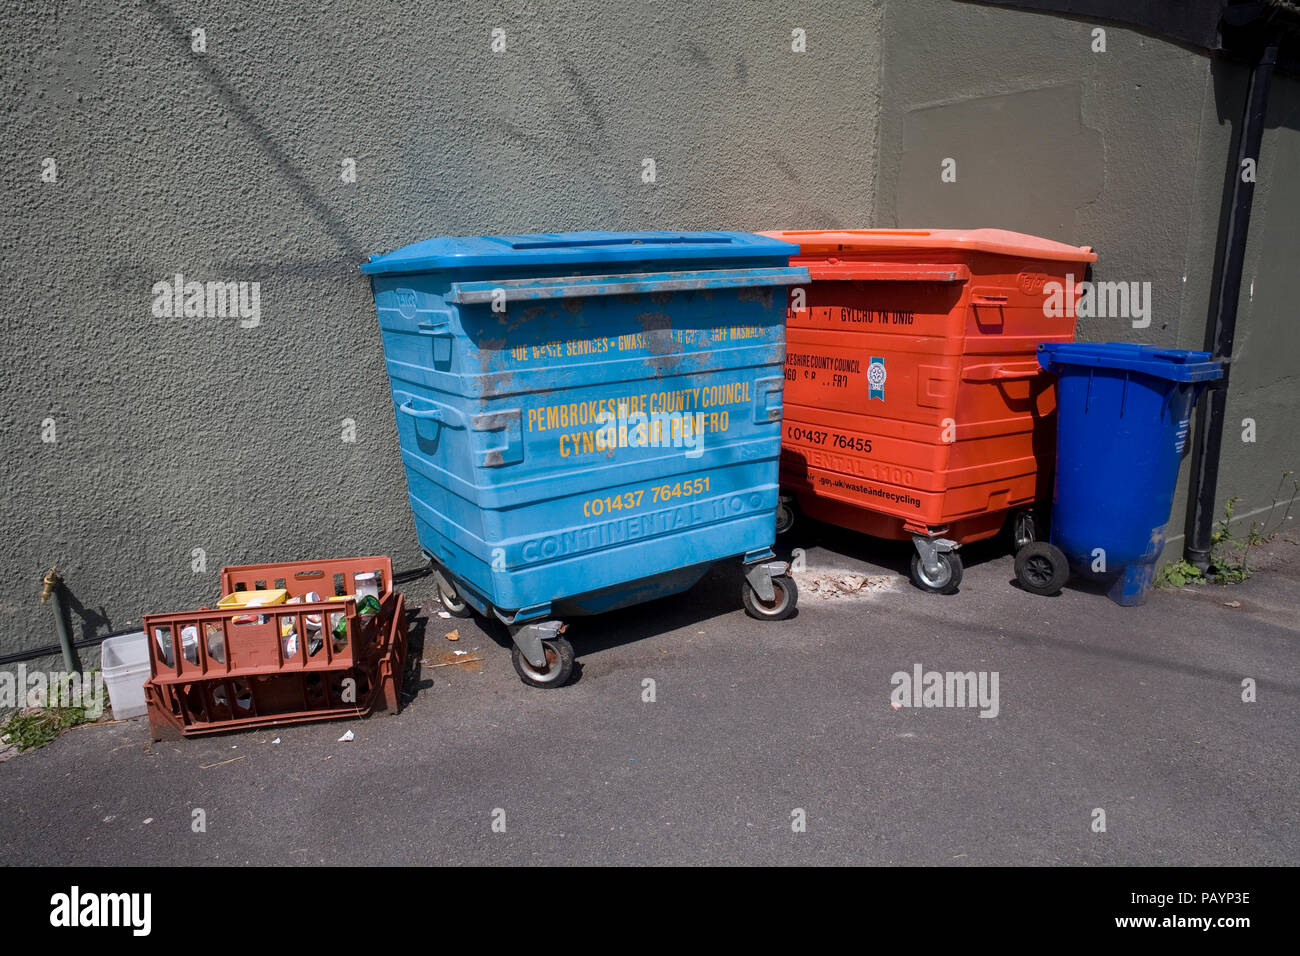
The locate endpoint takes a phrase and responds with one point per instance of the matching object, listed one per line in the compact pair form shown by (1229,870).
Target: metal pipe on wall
(52,586)
(1221,332)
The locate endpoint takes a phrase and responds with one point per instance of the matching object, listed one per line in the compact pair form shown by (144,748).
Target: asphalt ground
(754,728)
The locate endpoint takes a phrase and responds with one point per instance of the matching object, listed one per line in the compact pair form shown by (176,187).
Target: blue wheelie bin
(1122,423)
(588,420)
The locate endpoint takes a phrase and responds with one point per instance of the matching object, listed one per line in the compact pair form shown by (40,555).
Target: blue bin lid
(575,249)
(1177,365)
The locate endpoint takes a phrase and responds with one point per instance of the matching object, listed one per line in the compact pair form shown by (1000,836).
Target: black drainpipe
(1220,333)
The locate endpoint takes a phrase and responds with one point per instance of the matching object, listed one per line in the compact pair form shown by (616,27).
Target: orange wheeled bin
(914,403)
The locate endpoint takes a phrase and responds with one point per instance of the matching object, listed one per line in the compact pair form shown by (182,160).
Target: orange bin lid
(999,241)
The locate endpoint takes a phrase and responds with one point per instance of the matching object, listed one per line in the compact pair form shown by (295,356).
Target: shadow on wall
(93,620)
(352,253)
(95,626)
(278,160)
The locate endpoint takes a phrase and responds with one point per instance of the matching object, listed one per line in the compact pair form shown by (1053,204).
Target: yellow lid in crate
(254,598)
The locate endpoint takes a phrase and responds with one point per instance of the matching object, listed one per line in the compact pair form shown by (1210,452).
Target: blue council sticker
(876,379)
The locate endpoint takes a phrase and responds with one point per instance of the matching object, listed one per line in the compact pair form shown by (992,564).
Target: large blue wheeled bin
(588,420)
(1123,416)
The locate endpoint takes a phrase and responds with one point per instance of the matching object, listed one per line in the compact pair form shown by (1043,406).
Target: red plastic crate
(242,670)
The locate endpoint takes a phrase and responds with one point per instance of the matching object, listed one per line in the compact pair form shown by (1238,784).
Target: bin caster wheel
(945,581)
(1042,568)
(1024,530)
(785,597)
(559,664)
(451,602)
(785,515)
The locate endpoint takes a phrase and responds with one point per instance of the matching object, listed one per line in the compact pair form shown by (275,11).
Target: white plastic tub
(125,663)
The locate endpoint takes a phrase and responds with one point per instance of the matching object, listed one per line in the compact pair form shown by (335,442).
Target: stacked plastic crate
(288,642)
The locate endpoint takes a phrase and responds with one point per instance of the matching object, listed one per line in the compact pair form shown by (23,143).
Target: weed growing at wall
(34,728)
(1230,555)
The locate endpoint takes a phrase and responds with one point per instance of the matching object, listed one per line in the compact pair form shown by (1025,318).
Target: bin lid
(1001,241)
(1177,365)
(575,249)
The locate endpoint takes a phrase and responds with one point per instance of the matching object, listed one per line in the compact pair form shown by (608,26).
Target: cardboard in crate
(254,664)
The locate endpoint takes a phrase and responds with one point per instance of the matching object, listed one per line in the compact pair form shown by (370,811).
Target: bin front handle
(766,410)
(509,450)
(442,414)
(636,283)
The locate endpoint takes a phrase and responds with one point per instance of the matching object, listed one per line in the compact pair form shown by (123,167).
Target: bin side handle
(443,414)
(508,451)
(1000,373)
(637,283)
(989,308)
(438,328)
(890,272)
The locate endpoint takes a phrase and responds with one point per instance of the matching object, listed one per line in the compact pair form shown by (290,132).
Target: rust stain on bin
(657,326)
(761,294)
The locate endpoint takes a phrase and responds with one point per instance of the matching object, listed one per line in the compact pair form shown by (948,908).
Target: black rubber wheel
(559,664)
(786,515)
(946,581)
(1042,568)
(451,603)
(785,597)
